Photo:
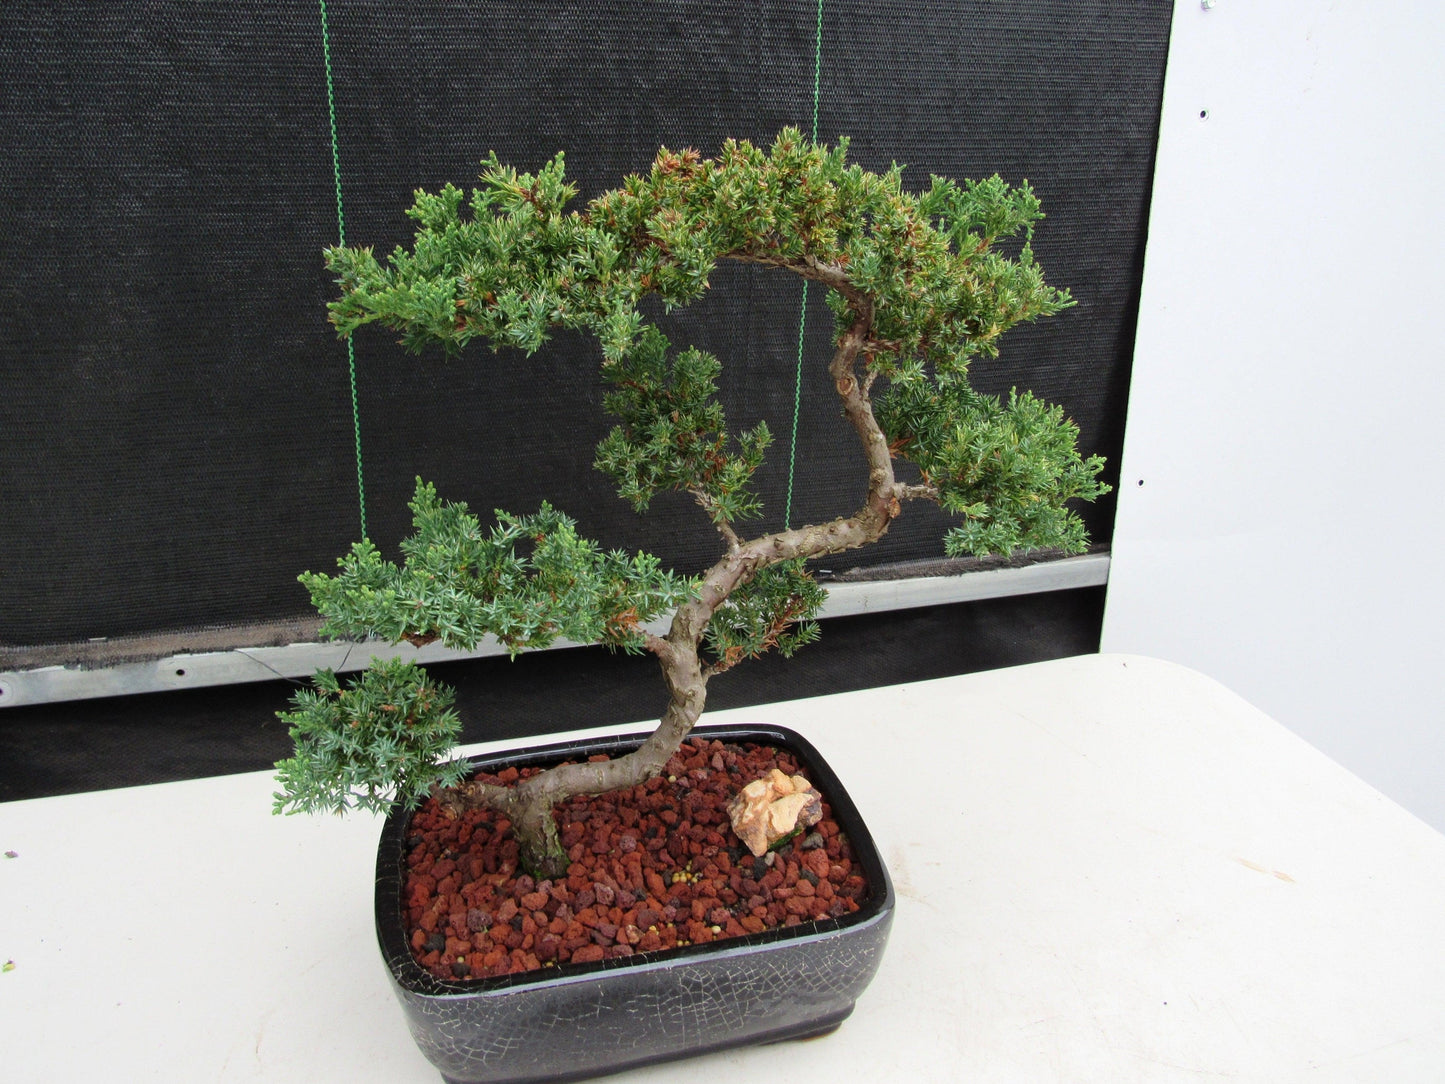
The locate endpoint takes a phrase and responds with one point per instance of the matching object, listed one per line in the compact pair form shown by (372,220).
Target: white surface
(1127,874)
(1287,381)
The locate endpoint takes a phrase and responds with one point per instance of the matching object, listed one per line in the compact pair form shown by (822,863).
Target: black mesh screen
(176,433)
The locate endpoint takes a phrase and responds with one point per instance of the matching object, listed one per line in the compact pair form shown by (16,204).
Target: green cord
(803,314)
(341,233)
(817,66)
(797,409)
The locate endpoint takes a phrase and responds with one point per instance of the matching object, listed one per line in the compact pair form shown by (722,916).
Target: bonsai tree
(917,286)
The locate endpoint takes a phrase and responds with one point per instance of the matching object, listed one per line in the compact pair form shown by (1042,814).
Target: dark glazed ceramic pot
(592,1019)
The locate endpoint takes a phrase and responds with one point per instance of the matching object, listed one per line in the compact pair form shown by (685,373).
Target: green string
(341,233)
(803,314)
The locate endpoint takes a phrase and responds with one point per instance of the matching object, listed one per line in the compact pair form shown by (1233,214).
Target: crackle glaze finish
(583,1021)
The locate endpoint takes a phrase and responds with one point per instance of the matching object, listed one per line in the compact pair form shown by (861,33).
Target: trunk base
(540,849)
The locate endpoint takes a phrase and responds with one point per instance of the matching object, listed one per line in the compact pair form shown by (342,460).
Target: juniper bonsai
(918,287)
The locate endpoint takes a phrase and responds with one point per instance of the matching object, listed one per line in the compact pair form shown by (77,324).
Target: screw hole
(180,673)
(1141,481)
(1204,114)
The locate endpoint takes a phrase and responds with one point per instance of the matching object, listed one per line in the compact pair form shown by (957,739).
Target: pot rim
(391,856)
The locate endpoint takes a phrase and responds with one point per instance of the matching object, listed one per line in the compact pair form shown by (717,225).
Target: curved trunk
(529,805)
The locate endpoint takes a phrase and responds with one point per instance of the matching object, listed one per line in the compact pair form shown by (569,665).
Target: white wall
(1283,501)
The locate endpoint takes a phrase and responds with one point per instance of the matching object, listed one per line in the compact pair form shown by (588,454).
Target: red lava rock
(471,915)
(588,954)
(816,862)
(588,916)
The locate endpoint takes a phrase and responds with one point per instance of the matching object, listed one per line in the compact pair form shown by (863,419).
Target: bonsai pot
(585,1020)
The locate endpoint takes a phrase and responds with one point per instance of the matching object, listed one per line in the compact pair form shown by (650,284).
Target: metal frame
(236,665)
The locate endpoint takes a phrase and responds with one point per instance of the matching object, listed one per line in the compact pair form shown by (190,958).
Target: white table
(1124,873)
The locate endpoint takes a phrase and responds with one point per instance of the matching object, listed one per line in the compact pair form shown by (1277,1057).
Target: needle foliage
(919,283)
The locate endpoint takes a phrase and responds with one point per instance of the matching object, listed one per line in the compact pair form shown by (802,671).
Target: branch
(723,525)
(916,492)
(629,622)
(867,524)
(455,801)
(810,267)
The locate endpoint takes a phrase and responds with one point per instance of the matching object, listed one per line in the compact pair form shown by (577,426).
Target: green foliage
(673,434)
(380,739)
(919,284)
(528,581)
(521,263)
(775,609)
(941,292)
(1007,469)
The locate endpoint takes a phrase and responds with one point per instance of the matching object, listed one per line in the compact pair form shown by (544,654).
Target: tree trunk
(529,805)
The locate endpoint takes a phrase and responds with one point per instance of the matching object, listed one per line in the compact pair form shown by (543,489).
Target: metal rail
(235,665)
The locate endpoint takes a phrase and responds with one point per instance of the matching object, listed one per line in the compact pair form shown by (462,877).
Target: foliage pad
(529,581)
(363,746)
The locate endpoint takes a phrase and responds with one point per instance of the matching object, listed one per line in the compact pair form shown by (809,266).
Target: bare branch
(916,492)
(723,525)
(472,795)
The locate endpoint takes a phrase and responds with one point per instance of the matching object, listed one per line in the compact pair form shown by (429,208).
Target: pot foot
(814,1029)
